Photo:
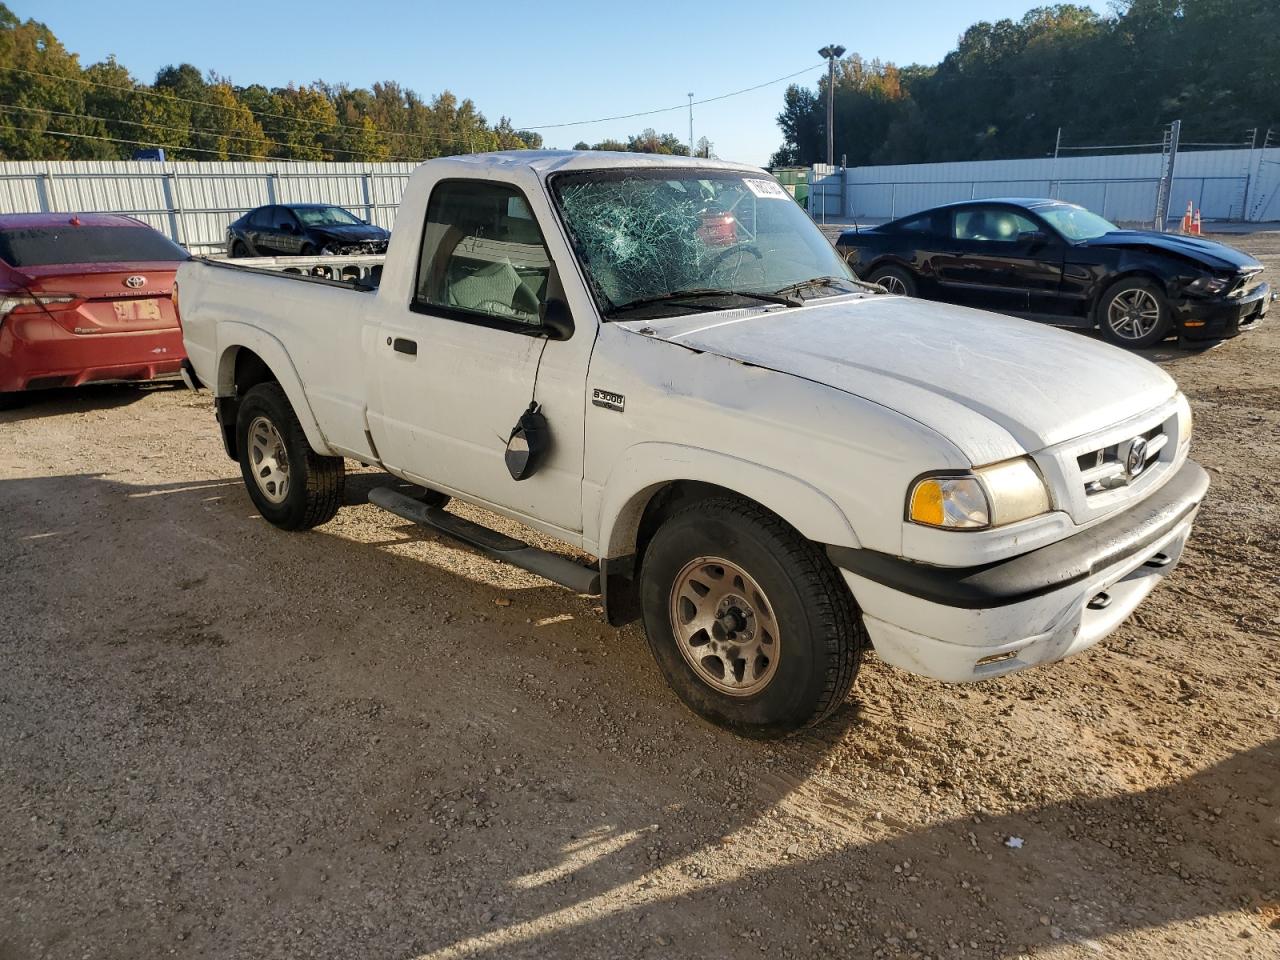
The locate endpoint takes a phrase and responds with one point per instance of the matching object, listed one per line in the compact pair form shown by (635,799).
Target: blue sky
(538,63)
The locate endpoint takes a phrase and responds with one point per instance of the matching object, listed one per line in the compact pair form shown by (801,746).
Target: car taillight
(11,302)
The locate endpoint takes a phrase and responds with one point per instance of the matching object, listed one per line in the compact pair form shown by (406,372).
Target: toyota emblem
(135,281)
(1135,460)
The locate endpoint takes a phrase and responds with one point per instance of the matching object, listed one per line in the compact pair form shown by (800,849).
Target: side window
(483,256)
(921,225)
(283,217)
(261,219)
(994,224)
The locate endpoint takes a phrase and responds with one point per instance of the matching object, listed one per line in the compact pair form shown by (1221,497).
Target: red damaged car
(85,297)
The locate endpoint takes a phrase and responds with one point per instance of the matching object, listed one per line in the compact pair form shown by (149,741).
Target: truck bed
(320,319)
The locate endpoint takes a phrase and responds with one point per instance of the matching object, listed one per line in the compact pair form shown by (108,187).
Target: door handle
(401,345)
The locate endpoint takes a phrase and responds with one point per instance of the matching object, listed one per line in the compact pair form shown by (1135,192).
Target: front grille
(1107,468)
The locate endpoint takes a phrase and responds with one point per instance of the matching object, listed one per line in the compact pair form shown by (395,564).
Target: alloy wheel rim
(268,460)
(894,284)
(1133,314)
(724,626)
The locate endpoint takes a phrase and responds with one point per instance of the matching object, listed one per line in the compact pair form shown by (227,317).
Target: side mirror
(287,228)
(557,321)
(1035,239)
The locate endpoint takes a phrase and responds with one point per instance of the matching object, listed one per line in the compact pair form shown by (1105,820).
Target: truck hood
(956,370)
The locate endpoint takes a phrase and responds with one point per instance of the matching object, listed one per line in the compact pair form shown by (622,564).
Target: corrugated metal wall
(192,202)
(1222,184)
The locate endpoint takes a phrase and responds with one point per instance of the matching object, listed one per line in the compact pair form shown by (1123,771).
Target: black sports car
(303,229)
(1057,262)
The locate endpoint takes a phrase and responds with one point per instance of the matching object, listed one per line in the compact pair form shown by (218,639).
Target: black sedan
(1059,263)
(303,229)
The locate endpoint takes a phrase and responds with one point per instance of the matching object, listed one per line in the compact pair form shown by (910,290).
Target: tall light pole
(691,124)
(832,52)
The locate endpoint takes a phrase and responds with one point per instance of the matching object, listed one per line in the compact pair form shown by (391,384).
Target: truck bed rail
(358,271)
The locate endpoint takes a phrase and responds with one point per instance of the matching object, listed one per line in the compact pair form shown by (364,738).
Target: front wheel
(748,621)
(292,486)
(895,280)
(1134,314)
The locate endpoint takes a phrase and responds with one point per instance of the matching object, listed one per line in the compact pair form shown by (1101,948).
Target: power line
(144,91)
(680,106)
(168,126)
(136,143)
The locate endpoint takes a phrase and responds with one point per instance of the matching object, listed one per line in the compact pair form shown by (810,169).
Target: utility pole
(691,124)
(1165,187)
(831,52)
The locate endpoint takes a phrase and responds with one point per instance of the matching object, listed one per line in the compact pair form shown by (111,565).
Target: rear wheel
(291,485)
(238,249)
(1134,313)
(748,621)
(894,279)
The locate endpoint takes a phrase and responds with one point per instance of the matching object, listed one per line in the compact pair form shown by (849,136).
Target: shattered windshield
(665,242)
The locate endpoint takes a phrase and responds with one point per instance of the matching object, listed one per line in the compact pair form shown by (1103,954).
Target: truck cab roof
(545,162)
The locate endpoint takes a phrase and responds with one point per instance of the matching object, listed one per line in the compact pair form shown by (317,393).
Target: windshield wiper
(795,288)
(782,297)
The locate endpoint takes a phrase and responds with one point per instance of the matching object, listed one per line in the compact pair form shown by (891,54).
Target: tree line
(51,108)
(1008,86)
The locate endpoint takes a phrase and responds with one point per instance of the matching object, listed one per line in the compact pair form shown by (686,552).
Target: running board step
(558,569)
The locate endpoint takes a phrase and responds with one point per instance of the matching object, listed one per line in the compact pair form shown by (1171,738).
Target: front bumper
(1220,318)
(969,623)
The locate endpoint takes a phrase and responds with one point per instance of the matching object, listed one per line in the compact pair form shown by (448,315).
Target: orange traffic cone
(1186,219)
(1195,224)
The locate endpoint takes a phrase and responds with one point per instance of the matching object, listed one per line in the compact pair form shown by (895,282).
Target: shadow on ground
(244,742)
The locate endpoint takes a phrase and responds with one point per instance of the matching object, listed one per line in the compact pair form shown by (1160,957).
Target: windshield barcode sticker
(767,189)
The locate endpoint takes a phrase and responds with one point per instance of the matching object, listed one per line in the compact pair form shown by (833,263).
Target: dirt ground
(218,739)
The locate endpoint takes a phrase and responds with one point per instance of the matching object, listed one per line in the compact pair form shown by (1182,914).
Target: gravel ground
(218,739)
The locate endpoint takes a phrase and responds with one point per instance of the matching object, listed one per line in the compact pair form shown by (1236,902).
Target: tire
(1134,313)
(800,625)
(308,490)
(11,401)
(307,250)
(894,279)
(238,249)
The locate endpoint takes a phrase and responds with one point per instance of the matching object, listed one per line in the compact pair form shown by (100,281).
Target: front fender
(234,336)
(647,467)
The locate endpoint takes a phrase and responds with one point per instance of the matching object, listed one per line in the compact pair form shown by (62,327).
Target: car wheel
(894,279)
(308,250)
(1134,313)
(749,621)
(238,249)
(292,486)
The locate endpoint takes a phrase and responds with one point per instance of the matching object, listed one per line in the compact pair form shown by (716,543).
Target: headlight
(988,497)
(1208,285)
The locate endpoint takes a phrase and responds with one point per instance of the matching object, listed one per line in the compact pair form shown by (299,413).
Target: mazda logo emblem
(135,281)
(1135,460)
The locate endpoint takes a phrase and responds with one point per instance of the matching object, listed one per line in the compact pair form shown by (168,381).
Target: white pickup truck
(663,363)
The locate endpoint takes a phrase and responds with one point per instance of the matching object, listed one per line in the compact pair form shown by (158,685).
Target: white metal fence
(192,202)
(1222,184)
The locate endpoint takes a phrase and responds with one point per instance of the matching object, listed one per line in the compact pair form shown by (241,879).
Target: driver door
(1001,260)
(458,365)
